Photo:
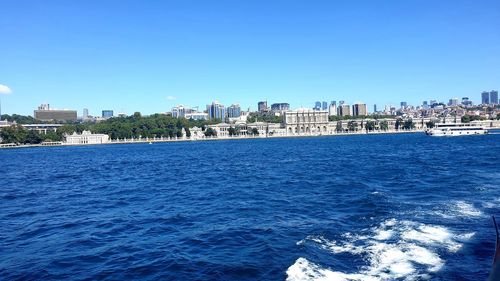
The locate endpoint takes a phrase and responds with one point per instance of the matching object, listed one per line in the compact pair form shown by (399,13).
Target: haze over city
(130,57)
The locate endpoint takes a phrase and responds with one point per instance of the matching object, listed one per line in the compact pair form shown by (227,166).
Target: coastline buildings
(86,137)
(45,113)
(489,98)
(305,121)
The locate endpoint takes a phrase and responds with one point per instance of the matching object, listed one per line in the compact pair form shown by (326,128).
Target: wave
(395,249)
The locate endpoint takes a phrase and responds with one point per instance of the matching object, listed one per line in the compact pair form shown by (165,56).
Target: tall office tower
(485,97)
(108,113)
(216,110)
(262,106)
(324,105)
(494,97)
(359,109)
(317,105)
(85,113)
(234,110)
(374,108)
(404,104)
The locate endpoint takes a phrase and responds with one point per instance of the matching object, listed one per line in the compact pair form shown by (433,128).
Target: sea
(363,207)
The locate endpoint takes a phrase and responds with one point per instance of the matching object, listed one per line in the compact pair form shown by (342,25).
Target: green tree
(209,132)
(408,124)
(232,131)
(255,132)
(370,125)
(384,125)
(338,127)
(430,124)
(352,125)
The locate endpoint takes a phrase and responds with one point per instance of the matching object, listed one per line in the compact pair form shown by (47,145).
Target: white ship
(456,129)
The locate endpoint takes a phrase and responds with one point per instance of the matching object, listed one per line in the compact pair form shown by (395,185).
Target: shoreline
(155,140)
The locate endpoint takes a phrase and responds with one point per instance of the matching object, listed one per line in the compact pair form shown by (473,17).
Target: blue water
(405,207)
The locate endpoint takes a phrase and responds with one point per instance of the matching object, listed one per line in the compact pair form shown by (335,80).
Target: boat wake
(403,250)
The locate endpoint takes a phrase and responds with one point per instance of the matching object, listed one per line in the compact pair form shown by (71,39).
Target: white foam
(393,250)
(458,209)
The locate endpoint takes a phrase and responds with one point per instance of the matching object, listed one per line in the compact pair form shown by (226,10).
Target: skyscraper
(332,110)
(107,113)
(374,108)
(317,105)
(494,97)
(453,102)
(324,105)
(359,109)
(344,110)
(234,111)
(85,113)
(404,104)
(262,106)
(485,97)
(217,110)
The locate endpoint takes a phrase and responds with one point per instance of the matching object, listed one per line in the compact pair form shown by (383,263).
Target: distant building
(278,107)
(485,97)
(332,110)
(179,111)
(375,108)
(44,113)
(196,116)
(122,114)
(305,121)
(217,110)
(262,106)
(433,102)
(425,105)
(107,113)
(333,102)
(234,111)
(404,104)
(86,138)
(324,105)
(466,101)
(494,97)
(341,103)
(85,114)
(453,102)
(317,105)
(359,109)
(344,110)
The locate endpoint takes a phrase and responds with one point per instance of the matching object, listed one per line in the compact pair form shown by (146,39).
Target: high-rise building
(317,105)
(85,113)
(178,111)
(453,102)
(375,108)
(333,102)
(359,109)
(494,97)
(324,105)
(341,103)
(485,97)
(217,110)
(332,110)
(234,111)
(107,113)
(404,104)
(433,102)
(44,113)
(344,110)
(425,104)
(280,107)
(262,106)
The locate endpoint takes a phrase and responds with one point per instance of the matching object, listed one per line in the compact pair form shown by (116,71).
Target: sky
(147,56)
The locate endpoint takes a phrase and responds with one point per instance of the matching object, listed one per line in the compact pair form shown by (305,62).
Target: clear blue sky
(132,55)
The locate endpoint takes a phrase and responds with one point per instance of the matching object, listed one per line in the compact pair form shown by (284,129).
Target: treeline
(268,118)
(134,126)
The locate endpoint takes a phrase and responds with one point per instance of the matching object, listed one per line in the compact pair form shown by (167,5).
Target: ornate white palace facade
(86,137)
(306,121)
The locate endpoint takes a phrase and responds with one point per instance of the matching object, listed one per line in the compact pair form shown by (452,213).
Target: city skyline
(131,57)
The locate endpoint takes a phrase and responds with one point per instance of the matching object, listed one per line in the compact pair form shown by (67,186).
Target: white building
(86,137)
(306,121)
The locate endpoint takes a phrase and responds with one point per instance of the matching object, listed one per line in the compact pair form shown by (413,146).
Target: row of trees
(349,117)
(383,125)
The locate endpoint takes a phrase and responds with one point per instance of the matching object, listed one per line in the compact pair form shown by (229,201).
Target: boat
(456,129)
